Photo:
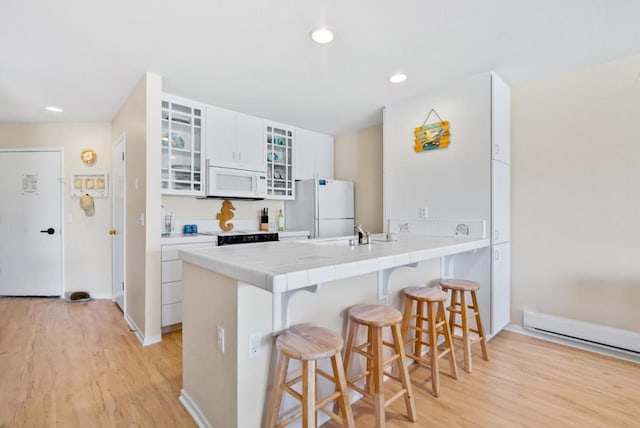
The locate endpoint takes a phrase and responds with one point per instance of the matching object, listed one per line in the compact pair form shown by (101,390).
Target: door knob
(50,231)
(112,232)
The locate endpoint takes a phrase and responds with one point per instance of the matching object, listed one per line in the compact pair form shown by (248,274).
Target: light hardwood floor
(78,365)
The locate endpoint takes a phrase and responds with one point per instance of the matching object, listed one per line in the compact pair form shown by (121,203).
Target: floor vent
(594,334)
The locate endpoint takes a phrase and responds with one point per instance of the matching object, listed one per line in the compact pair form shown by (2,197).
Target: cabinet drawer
(170,252)
(171,292)
(172,271)
(171,314)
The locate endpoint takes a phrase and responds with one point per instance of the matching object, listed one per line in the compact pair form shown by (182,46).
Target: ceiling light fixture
(322,36)
(397,78)
(53,109)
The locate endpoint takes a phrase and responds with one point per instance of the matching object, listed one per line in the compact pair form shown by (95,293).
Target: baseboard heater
(588,333)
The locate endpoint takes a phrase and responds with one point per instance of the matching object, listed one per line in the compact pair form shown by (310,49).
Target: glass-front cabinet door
(280,179)
(183,158)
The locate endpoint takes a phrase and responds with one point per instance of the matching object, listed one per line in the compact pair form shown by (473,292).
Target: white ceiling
(255,56)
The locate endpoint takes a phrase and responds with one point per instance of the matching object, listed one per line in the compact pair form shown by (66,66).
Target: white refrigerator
(323,207)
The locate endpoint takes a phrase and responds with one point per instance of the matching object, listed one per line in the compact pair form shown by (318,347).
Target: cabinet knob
(112,232)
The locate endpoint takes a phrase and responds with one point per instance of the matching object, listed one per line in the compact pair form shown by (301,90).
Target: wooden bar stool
(375,318)
(432,299)
(459,306)
(309,344)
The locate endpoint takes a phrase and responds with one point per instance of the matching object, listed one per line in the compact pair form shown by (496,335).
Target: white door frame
(62,181)
(121,140)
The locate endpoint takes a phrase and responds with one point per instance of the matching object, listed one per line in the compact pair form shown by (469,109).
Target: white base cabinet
(500,286)
(171,278)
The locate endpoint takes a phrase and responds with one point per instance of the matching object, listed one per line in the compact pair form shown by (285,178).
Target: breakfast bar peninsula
(236,298)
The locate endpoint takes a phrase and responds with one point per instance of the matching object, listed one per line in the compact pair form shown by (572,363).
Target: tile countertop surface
(179,238)
(282,266)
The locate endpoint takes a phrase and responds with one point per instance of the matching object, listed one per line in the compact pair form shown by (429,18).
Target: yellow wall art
(433,135)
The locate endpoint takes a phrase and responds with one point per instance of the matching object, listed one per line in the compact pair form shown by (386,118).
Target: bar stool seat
(374,318)
(429,302)
(459,306)
(309,344)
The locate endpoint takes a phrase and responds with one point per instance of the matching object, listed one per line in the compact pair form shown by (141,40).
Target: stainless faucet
(363,235)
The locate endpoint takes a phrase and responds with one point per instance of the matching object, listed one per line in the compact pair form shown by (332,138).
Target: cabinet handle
(497,149)
(234,155)
(496,235)
(239,156)
(497,255)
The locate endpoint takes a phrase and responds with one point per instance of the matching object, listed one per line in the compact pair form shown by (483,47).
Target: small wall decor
(95,185)
(225,215)
(88,156)
(432,136)
(87,205)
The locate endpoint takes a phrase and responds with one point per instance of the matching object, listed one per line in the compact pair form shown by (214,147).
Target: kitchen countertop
(285,266)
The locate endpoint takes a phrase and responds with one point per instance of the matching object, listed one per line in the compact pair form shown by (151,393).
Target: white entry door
(118,229)
(30,223)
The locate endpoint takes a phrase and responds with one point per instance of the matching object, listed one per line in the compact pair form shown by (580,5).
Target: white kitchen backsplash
(239,225)
(460,228)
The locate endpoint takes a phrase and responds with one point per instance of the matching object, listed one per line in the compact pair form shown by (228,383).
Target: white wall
(358,158)
(452,183)
(139,119)
(576,195)
(87,243)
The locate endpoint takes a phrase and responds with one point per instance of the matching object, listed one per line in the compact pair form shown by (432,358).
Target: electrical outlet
(221,339)
(254,344)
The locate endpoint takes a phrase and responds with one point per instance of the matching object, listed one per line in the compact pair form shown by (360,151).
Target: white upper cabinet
(252,152)
(235,140)
(500,202)
(279,141)
(313,155)
(500,120)
(183,157)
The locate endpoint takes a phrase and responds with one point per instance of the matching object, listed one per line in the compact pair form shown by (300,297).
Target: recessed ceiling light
(397,78)
(54,109)
(322,36)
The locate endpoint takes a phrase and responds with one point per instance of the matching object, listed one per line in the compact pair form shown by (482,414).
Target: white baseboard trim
(145,341)
(101,296)
(573,344)
(193,410)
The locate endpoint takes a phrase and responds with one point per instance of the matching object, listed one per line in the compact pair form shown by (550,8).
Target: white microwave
(236,183)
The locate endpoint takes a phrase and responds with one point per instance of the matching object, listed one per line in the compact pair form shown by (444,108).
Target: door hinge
(122,285)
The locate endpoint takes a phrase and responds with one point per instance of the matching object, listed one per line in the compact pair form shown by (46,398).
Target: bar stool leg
(378,375)
(448,341)
(277,391)
(406,317)
(466,341)
(417,349)
(348,354)
(371,381)
(404,373)
(483,340)
(341,385)
(309,394)
(453,307)
(433,350)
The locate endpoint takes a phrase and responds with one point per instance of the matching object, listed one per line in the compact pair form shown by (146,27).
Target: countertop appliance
(325,207)
(242,237)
